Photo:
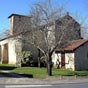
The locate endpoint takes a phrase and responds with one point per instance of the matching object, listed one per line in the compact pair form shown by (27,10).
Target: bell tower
(18,23)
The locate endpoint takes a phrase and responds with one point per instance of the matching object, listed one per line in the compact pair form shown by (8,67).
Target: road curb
(31,81)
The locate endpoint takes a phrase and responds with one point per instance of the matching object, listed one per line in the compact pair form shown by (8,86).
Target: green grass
(36,72)
(41,72)
(81,73)
(7,67)
(57,72)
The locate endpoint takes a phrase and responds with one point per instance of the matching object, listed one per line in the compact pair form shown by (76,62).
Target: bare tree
(42,27)
(46,34)
(4,34)
(43,18)
(82,19)
(49,30)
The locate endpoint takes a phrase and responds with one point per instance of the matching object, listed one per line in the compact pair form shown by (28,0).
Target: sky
(7,7)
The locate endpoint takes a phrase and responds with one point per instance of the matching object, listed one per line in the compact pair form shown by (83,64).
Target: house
(69,54)
(73,57)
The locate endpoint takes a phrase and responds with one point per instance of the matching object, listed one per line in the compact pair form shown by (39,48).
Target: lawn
(34,71)
(41,72)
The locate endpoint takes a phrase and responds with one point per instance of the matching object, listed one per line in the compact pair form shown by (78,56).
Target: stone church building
(71,54)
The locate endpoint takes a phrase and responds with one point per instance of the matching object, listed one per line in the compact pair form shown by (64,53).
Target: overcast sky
(7,7)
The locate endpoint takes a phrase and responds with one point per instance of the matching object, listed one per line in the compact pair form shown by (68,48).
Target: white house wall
(11,50)
(2,49)
(56,59)
(69,61)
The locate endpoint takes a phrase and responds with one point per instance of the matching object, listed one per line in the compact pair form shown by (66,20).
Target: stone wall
(18,23)
(68,29)
(81,57)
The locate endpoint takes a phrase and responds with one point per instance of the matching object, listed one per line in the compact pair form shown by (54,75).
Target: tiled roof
(73,45)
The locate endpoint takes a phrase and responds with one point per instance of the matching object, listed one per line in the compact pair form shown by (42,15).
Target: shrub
(27,58)
(43,61)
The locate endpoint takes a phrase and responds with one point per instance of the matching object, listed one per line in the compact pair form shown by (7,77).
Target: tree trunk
(49,65)
(39,62)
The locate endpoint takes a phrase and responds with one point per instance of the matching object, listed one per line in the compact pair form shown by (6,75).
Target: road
(74,85)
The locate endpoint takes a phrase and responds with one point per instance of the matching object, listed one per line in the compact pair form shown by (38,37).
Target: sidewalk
(11,78)
(50,80)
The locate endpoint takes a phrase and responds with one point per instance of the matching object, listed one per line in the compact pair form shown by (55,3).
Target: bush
(43,61)
(27,58)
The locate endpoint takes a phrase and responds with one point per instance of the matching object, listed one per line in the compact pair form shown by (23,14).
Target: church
(71,54)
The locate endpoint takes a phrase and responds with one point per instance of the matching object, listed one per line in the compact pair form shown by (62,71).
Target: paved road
(76,85)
